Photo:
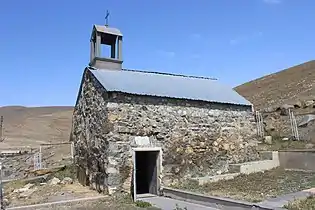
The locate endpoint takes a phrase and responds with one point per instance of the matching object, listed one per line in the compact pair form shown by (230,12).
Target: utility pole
(1,189)
(1,184)
(1,129)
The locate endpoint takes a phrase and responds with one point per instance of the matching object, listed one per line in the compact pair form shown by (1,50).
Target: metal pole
(1,128)
(257,119)
(261,125)
(295,127)
(1,188)
(291,122)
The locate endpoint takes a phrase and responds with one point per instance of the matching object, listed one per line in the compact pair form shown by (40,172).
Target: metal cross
(106,18)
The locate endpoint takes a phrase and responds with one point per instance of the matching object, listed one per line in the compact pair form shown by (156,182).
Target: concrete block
(268,139)
(269,155)
(216,178)
(255,166)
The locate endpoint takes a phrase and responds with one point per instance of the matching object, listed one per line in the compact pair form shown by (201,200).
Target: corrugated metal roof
(166,85)
(108,30)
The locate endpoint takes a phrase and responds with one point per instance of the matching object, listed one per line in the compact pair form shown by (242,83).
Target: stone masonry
(197,138)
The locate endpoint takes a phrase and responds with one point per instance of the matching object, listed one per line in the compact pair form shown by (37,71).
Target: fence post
(294,128)
(72,150)
(260,124)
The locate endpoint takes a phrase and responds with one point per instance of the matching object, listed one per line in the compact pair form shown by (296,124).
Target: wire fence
(260,124)
(21,163)
(51,155)
(294,127)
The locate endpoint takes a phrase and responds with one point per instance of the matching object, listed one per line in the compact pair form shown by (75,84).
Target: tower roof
(107,30)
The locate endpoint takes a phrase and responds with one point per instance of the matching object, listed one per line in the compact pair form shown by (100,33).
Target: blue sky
(44,45)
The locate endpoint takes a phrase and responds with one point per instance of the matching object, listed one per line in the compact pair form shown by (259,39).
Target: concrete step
(215,178)
(253,167)
(269,155)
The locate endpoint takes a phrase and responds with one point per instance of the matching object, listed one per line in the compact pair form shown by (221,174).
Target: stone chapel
(137,131)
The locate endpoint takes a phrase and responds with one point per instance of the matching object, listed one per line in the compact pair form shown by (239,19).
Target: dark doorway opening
(146,172)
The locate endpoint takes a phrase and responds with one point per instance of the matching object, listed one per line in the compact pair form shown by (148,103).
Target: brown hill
(295,83)
(25,126)
(292,86)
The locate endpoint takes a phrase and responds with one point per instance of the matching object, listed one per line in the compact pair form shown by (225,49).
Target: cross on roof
(106,18)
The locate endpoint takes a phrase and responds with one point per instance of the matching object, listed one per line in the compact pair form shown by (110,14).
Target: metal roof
(167,85)
(108,30)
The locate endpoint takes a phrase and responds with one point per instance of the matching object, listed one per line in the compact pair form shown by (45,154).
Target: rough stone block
(114,180)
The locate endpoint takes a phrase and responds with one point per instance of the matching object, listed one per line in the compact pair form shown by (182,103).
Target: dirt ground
(280,87)
(102,204)
(53,193)
(258,186)
(46,193)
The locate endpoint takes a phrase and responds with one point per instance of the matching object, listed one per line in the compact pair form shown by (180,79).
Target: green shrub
(143,204)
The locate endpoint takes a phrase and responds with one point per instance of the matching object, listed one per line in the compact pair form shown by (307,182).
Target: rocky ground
(21,166)
(258,186)
(19,194)
(277,121)
(277,144)
(62,186)
(274,94)
(102,204)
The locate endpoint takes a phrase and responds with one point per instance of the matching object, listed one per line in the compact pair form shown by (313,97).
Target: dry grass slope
(295,83)
(25,126)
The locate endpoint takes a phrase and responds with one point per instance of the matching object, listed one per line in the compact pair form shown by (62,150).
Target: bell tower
(104,35)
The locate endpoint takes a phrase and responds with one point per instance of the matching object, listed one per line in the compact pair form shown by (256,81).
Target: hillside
(273,94)
(295,83)
(25,126)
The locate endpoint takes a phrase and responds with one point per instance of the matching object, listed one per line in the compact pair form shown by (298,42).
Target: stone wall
(89,128)
(197,138)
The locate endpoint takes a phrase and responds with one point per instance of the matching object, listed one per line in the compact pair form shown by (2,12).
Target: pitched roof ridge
(170,74)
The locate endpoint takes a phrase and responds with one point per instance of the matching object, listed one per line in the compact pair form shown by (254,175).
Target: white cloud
(273,1)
